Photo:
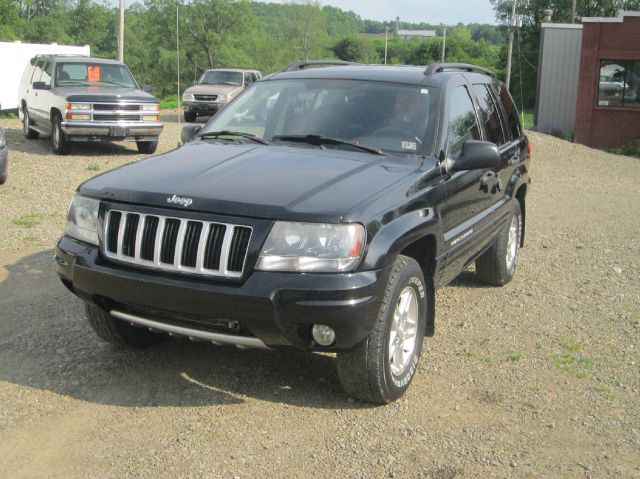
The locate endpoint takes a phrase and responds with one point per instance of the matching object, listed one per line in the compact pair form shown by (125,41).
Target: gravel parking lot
(540,378)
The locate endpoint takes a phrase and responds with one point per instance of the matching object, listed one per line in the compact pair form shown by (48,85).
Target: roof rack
(463,67)
(60,55)
(304,64)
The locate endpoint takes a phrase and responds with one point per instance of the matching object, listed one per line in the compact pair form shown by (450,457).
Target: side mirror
(147,88)
(40,85)
(189,131)
(476,155)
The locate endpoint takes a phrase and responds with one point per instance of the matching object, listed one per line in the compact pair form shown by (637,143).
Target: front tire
(26,126)
(497,265)
(118,332)
(147,147)
(59,143)
(380,368)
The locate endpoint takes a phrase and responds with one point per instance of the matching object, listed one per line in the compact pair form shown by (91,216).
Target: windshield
(383,116)
(221,78)
(102,74)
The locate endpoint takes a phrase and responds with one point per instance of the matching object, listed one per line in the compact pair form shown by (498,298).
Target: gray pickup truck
(79,98)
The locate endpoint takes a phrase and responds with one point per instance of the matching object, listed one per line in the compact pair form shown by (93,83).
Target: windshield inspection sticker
(409,145)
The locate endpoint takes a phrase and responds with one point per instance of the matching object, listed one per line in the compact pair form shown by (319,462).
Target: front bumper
(277,308)
(203,107)
(116,131)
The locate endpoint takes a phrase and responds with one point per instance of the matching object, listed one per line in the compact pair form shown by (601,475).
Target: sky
(448,12)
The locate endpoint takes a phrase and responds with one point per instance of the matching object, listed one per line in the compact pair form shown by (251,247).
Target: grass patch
(630,149)
(601,388)
(29,220)
(515,356)
(571,360)
(93,167)
(8,114)
(527,119)
(169,102)
(471,354)
(487,359)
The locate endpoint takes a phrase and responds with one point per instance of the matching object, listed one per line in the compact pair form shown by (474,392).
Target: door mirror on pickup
(188,132)
(476,155)
(40,85)
(147,88)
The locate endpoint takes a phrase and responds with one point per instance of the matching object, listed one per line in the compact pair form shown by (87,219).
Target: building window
(619,83)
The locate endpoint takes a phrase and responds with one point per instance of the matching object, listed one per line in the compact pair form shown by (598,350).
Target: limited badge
(409,145)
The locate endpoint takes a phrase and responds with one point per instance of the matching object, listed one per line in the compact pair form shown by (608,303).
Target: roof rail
(304,64)
(60,55)
(464,67)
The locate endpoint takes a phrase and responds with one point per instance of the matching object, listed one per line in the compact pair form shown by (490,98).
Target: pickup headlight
(312,247)
(82,219)
(188,97)
(150,107)
(78,106)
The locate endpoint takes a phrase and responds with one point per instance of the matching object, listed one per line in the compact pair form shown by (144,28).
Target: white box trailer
(15,56)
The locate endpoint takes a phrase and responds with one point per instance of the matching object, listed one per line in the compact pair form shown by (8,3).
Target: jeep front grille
(176,244)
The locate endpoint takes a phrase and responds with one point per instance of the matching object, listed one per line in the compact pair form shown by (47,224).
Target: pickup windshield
(94,74)
(221,78)
(391,117)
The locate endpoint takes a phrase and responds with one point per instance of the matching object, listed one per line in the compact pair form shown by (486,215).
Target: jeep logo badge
(180,201)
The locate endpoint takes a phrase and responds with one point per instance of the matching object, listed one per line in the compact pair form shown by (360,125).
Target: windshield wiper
(323,140)
(115,83)
(71,82)
(241,134)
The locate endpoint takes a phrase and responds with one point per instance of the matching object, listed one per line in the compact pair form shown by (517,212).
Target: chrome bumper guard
(242,342)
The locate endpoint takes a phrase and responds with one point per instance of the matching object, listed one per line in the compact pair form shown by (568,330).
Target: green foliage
(630,149)
(169,102)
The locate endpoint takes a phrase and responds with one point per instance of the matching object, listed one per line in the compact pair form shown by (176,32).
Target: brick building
(608,96)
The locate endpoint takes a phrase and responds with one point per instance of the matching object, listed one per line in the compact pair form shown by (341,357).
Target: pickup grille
(205,97)
(176,244)
(116,106)
(115,117)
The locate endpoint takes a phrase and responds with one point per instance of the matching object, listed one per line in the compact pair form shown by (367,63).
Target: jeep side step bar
(219,339)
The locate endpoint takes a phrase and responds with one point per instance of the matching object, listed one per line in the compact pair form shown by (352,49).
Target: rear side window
(463,123)
(489,115)
(510,113)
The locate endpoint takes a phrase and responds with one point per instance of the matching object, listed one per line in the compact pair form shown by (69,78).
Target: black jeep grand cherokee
(320,210)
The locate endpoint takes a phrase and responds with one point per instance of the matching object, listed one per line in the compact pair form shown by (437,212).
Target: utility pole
(444,42)
(121,33)
(512,26)
(573,11)
(386,40)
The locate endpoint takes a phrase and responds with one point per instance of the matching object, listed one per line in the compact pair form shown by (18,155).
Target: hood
(100,93)
(213,89)
(273,182)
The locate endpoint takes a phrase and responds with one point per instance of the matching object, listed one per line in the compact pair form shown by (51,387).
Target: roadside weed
(93,167)
(29,220)
(571,360)
(515,356)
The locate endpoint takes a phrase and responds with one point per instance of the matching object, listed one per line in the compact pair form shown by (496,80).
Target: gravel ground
(540,378)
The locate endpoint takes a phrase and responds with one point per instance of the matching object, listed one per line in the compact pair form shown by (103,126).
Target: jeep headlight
(312,247)
(82,219)
(187,97)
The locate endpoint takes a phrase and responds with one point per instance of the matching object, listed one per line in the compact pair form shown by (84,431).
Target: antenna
(178,64)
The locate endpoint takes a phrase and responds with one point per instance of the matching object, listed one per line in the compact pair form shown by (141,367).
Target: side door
(468,215)
(32,94)
(44,98)
(514,151)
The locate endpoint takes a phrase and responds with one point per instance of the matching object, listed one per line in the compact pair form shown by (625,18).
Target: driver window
(463,123)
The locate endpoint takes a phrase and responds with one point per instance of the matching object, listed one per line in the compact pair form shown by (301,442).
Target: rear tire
(59,143)
(190,117)
(26,128)
(380,368)
(497,265)
(118,332)
(147,147)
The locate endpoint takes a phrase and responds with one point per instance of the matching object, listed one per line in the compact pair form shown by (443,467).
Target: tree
(307,27)
(356,49)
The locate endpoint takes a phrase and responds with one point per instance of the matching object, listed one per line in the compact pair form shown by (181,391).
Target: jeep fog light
(323,335)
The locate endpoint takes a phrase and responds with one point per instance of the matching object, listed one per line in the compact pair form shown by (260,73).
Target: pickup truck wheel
(190,117)
(380,369)
(118,332)
(26,126)
(147,147)
(497,266)
(59,143)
